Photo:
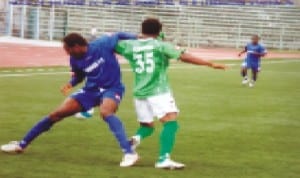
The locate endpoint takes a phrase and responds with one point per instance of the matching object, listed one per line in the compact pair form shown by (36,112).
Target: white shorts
(155,106)
(244,64)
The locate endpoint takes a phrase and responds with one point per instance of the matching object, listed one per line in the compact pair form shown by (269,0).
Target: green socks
(144,131)
(167,139)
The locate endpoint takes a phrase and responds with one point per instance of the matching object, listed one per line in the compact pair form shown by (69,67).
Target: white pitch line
(6,71)
(176,66)
(32,74)
(279,62)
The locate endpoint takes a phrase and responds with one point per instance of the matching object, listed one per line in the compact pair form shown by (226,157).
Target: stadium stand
(3,15)
(185,25)
(2,23)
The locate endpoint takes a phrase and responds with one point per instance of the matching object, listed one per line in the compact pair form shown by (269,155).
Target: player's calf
(145,130)
(244,75)
(18,147)
(167,142)
(68,108)
(107,110)
(254,76)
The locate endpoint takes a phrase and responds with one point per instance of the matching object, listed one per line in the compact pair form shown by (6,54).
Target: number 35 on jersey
(144,62)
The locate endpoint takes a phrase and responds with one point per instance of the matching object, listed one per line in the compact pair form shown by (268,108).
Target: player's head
(151,27)
(255,39)
(75,45)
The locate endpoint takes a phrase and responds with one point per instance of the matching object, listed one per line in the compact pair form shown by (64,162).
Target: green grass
(227,130)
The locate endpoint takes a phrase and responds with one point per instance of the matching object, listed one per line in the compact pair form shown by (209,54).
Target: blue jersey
(251,49)
(99,66)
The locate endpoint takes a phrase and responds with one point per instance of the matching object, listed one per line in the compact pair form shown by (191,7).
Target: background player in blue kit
(254,51)
(96,63)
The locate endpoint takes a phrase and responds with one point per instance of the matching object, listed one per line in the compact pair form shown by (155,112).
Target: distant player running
(254,51)
(96,63)
(149,59)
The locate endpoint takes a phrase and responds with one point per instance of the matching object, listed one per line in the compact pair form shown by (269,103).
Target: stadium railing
(190,26)
(3,22)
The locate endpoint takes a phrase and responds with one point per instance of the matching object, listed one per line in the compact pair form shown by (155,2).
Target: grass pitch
(227,130)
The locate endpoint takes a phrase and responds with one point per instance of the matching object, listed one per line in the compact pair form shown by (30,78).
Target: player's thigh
(244,65)
(164,106)
(86,99)
(110,102)
(255,68)
(144,111)
(69,107)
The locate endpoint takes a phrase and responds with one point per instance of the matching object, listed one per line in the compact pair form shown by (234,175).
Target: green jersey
(161,36)
(149,60)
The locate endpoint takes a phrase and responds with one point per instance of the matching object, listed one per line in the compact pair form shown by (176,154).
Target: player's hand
(219,66)
(66,89)
(239,55)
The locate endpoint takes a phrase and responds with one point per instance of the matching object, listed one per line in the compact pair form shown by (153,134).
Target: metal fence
(152,2)
(3,22)
(36,22)
(184,25)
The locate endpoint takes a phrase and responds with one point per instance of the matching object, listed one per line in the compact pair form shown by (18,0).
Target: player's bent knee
(104,112)
(58,115)
(54,117)
(108,108)
(169,117)
(151,124)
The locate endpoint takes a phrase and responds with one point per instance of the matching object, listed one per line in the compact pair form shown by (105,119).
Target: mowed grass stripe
(39,71)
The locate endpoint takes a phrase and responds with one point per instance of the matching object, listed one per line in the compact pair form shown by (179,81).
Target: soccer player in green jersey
(149,59)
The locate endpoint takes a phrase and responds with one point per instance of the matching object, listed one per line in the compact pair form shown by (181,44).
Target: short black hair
(151,26)
(73,39)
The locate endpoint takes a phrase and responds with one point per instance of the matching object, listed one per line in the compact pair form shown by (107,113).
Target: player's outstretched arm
(126,36)
(77,77)
(112,41)
(242,52)
(192,59)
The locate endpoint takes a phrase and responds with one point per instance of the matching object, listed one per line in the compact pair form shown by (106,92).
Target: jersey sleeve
(161,36)
(109,42)
(121,47)
(171,52)
(126,36)
(115,38)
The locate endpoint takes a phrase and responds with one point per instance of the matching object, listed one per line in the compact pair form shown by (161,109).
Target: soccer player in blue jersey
(254,51)
(96,63)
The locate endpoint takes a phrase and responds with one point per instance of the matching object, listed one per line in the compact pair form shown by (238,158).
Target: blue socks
(118,130)
(42,126)
(113,122)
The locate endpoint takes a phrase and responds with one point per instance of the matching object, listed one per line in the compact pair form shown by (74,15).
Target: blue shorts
(89,99)
(251,65)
